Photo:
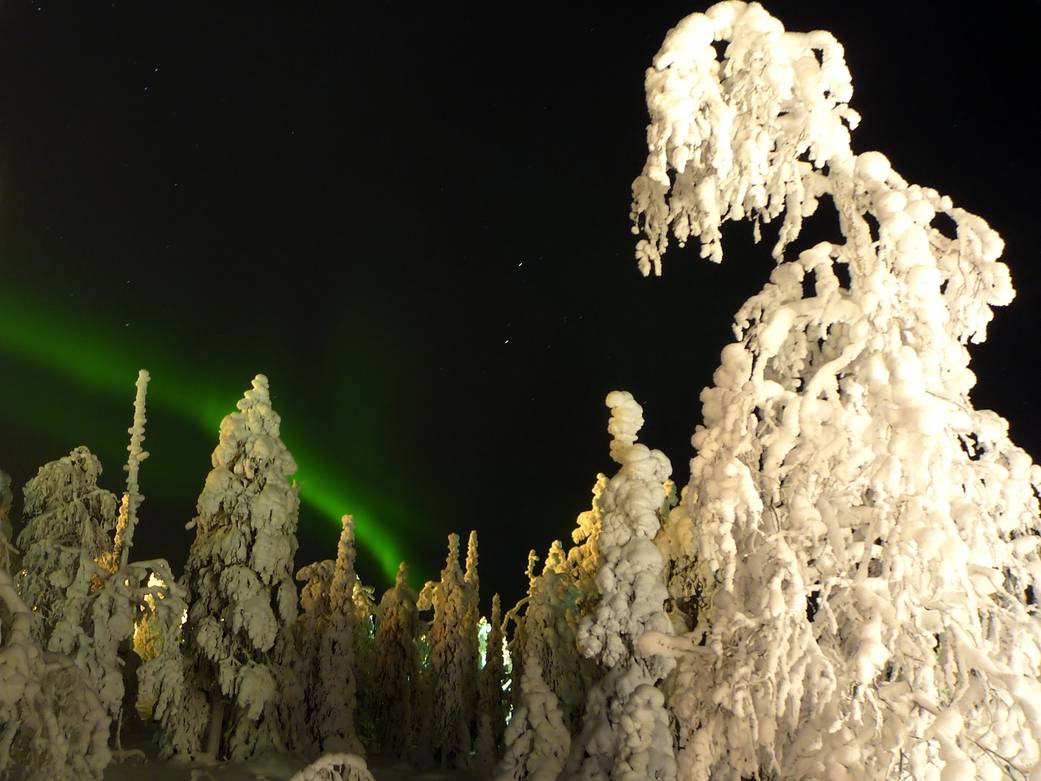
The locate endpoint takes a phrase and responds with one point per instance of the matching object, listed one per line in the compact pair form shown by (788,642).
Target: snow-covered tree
(450,665)
(332,699)
(240,589)
(537,740)
(492,703)
(625,728)
(551,619)
(132,498)
(469,630)
(68,520)
(866,540)
(582,558)
(397,666)
(335,767)
(7,550)
(53,727)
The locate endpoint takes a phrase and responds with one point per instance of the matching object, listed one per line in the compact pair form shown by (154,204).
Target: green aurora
(43,336)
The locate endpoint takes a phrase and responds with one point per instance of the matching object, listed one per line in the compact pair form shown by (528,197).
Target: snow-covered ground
(272,767)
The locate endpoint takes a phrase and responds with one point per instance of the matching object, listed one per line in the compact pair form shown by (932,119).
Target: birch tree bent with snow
(868,543)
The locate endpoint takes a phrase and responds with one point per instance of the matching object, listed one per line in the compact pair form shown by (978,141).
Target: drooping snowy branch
(866,542)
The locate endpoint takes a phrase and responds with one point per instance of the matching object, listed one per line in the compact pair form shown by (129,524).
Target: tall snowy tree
(397,666)
(450,665)
(625,728)
(492,703)
(333,698)
(867,542)
(240,588)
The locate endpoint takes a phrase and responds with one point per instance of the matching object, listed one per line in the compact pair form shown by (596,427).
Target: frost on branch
(866,542)
(397,666)
(240,589)
(53,727)
(625,731)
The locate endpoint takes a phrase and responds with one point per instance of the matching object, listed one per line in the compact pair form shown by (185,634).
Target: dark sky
(416,224)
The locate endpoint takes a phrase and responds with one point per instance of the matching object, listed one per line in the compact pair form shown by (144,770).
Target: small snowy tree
(551,619)
(397,666)
(240,589)
(625,730)
(537,739)
(450,665)
(53,726)
(867,542)
(68,519)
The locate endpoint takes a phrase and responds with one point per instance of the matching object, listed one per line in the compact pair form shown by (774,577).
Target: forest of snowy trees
(846,588)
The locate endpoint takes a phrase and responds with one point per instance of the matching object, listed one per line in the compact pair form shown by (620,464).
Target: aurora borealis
(415,224)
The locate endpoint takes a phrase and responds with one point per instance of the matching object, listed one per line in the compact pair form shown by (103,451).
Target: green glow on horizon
(49,338)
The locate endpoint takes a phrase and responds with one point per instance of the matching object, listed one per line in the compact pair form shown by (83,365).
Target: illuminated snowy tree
(68,520)
(397,666)
(625,727)
(53,726)
(867,542)
(537,740)
(240,589)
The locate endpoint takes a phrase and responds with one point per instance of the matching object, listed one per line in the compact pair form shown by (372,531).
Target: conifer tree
(242,597)
(492,703)
(397,666)
(68,522)
(537,740)
(450,665)
(333,701)
(625,728)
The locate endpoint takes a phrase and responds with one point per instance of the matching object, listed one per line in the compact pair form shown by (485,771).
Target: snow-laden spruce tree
(551,618)
(237,639)
(625,727)
(53,726)
(68,520)
(451,665)
(492,706)
(867,541)
(537,740)
(469,629)
(332,698)
(397,666)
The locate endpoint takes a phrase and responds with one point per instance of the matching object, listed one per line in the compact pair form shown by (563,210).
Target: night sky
(416,224)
